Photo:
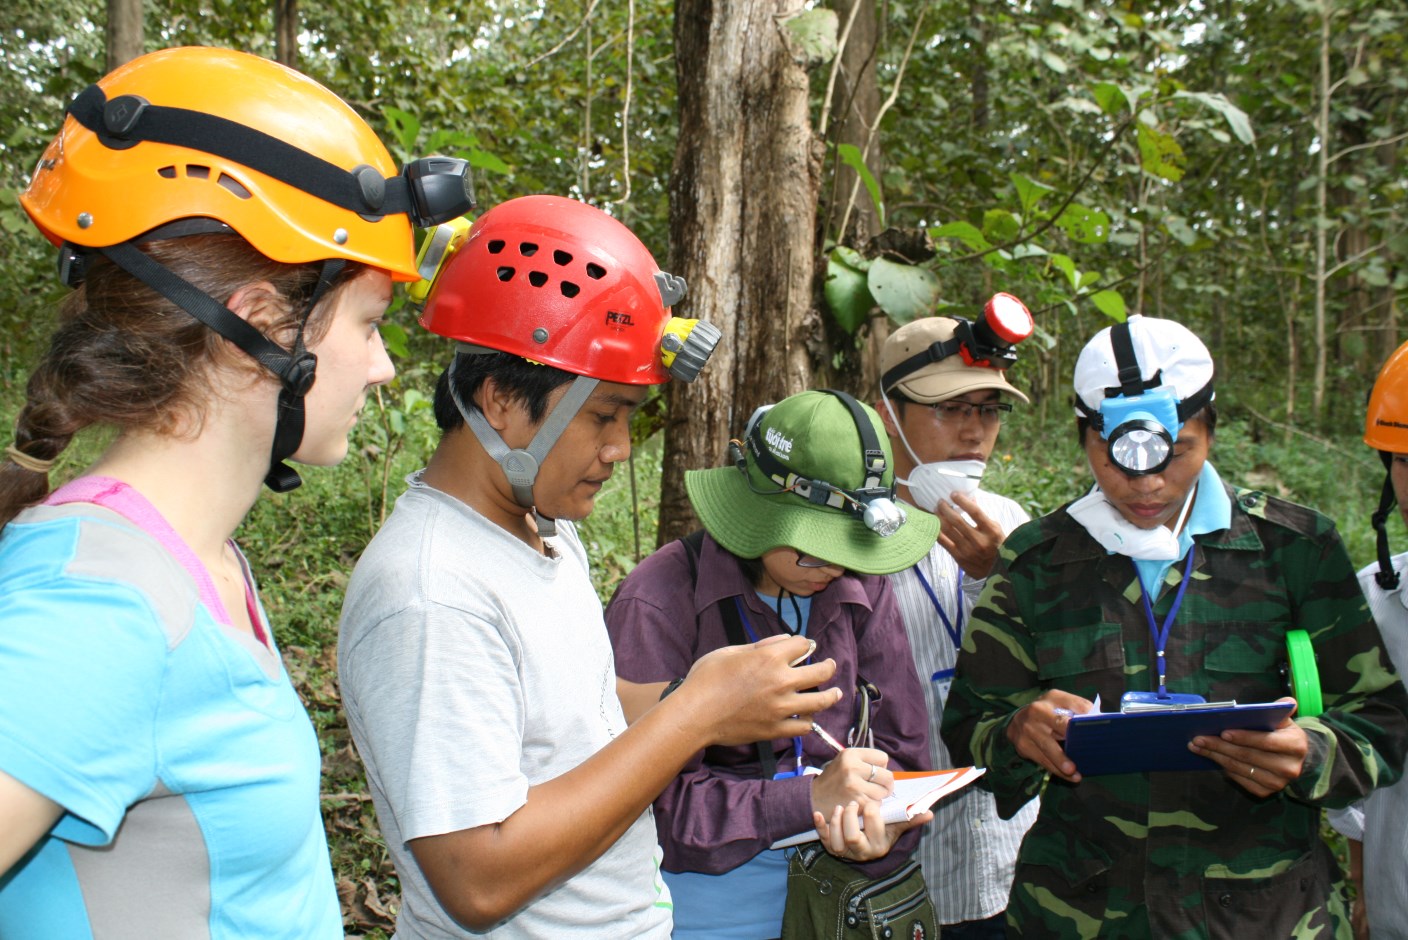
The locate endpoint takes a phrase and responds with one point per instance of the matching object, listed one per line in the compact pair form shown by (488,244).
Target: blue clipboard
(1145,741)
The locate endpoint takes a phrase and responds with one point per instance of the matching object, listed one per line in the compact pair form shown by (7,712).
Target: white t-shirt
(473,668)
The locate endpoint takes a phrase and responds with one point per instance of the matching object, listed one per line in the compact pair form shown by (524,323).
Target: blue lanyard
(955,631)
(1160,634)
(796,770)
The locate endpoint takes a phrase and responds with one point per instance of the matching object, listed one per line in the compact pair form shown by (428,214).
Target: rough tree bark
(743,198)
(124,32)
(857,104)
(286,32)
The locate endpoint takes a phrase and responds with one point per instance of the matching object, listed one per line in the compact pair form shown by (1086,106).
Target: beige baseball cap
(938,381)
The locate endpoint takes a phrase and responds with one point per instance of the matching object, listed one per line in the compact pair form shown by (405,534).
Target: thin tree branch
(1373,143)
(836,67)
(586,18)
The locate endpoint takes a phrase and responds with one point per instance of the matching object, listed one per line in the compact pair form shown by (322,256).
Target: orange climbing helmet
(214,134)
(1386,421)
(562,283)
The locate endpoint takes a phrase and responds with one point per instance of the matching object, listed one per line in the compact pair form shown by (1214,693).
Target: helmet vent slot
(234,186)
(570,290)
(537,278)
(167,172)
(496,246)
(527,249)
(595,271)
(562,258)
(198,172)
(504,273)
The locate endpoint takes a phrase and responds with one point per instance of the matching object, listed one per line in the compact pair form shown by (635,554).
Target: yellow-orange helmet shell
(95,196)
(1386,421)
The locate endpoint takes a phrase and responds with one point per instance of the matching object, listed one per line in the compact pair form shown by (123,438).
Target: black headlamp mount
(990,341)
(430,190)
(871,502)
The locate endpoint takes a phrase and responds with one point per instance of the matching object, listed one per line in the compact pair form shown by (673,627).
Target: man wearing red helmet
(476,669)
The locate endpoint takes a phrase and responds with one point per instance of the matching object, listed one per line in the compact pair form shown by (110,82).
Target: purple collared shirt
(719,813)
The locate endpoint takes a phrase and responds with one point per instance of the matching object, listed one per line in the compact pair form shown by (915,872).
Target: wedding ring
(873,768)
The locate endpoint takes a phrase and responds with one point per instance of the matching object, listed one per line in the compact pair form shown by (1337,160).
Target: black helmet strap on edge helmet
(1128,374)
(295,368)
(1386,577)
(430,190)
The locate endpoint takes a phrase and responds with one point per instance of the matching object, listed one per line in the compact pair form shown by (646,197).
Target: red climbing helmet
(559,282)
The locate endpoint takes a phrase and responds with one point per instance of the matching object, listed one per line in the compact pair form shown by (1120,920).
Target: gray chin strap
(520,465)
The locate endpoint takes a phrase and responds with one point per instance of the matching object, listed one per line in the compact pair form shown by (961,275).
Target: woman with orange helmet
(232,230)
(1378,853)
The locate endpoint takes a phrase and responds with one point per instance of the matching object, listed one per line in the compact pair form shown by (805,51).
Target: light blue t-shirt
(183,759)
(1211,512)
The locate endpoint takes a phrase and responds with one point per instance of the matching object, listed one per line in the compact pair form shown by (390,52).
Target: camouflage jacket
(1188,854)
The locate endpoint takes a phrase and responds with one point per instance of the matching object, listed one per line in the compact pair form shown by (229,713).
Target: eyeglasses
(811,561)
(958,411)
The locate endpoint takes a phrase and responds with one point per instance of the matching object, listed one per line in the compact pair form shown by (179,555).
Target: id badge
(943,680)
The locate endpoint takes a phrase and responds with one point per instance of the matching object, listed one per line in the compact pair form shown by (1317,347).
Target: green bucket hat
(805,493)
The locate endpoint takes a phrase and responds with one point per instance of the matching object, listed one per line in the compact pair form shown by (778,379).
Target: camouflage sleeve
(1359,741)
(995,676)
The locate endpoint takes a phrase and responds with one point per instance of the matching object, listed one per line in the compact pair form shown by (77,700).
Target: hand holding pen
(1038,729)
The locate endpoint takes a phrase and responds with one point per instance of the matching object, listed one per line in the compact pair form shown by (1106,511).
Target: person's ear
(257,303)
(886,417)
(499,407)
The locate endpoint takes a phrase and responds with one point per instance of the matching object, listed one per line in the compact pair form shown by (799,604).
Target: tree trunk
(286,32)
(857,106)
(124,33)
(743,198)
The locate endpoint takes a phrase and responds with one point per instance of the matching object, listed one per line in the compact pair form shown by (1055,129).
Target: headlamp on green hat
(872,502)
(812,473)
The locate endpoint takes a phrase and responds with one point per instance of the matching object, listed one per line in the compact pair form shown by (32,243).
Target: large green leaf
(1084,225)
(1029,192)
(903,291)
(1236,118)
(1160,154)
(965,232)
(847,295)
(851,156)
(1110,303)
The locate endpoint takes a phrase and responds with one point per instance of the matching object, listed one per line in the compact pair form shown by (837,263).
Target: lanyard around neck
(1159,634)
(796,770)
(954,627)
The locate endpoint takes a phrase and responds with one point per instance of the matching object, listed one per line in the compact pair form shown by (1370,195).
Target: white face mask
(932,483)
(935,482)
(1117,534)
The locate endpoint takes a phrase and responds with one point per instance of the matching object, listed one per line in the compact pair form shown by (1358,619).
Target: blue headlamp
(1141,430)
(1140,418)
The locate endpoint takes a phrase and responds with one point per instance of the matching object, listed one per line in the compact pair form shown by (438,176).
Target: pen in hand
(821,733)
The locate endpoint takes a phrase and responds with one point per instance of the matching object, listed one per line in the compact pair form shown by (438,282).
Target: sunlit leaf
(847,294)
(903,291)
(1110,303)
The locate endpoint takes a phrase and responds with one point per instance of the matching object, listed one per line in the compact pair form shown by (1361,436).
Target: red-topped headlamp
(989,340)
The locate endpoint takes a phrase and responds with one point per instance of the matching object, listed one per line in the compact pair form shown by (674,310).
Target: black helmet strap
(295,368)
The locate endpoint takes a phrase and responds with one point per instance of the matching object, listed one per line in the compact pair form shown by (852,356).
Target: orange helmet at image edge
(1386,420)
(93,195)
(558,282)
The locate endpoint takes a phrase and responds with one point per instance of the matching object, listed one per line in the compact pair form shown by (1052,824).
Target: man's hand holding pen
(753,692)
(1037,731)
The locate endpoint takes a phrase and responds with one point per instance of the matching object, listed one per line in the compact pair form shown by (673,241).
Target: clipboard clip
(1168,701)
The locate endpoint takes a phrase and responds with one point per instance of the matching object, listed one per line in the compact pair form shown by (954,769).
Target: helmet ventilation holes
(197,172)
(527,249)
(496,246)
(504,273)
(595,271)
(236,187)
(537,278)
(570,290)
(562,258)
(167,172)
